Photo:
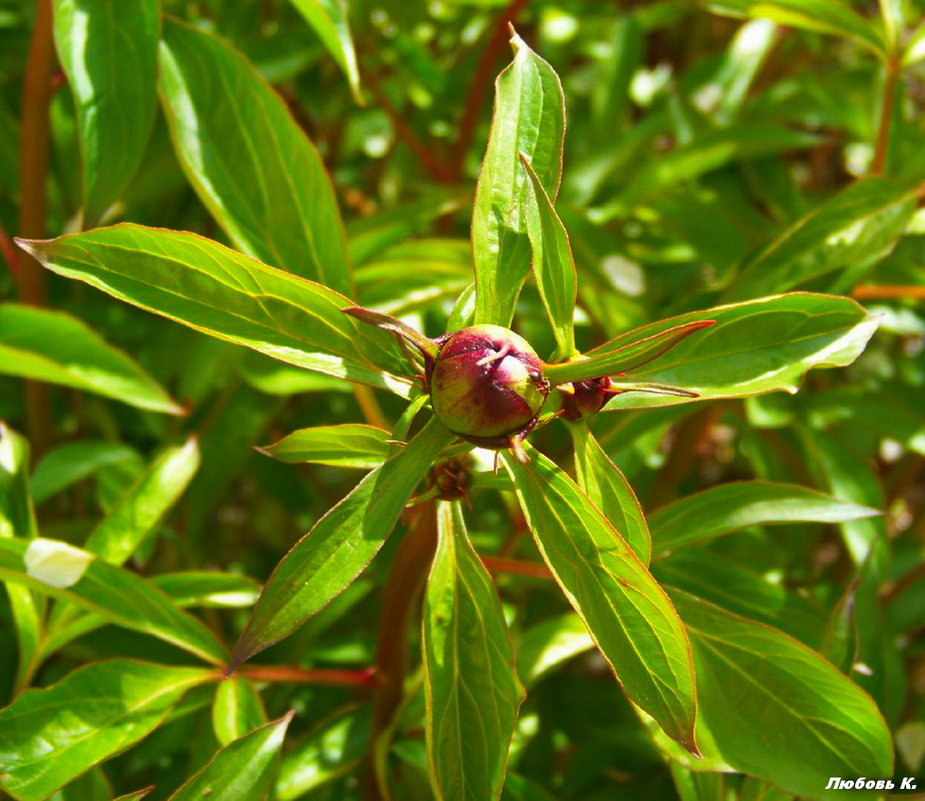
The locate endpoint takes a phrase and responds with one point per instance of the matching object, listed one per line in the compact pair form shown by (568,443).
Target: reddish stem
(481,81)
(886,115)
(501,564)
(888,292)
(437,169)
(33,160)
(294,674)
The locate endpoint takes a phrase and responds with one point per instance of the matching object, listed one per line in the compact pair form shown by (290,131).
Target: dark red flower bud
(585,398)
(486,385)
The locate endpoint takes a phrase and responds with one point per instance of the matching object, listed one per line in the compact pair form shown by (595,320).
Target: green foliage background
(714,154)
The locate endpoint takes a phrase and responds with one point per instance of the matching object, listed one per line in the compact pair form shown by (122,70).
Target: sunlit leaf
(108,51)
(753,347)
(248,159)
(608,489)
(862,223)
(214,289)
(339,546)
(821,16)
(778,710)
(49,737)
(329,19)
(243,769)
(17,519)
(332,749)
(529,118)
(237,709)
(553,264)
(120,597)
(137,514)
(627,613)
(53,346)
(349,445)
(737,505)
(471,689)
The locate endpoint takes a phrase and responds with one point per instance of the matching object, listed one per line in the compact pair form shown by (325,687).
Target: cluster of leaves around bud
(486,383)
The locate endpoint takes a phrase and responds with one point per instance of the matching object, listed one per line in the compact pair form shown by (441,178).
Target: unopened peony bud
(585,397)
(487,386)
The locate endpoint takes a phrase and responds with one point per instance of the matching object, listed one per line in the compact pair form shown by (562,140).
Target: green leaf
(49,737)
(214,289)
(52,346)
(754,347)
(109,53)
(120,597)
(329,20)
(528,118)
(138,512)
(915,47)
(243,769)
(546,645)
(17,519)
(68,464)
(777,709)
(553,264)
(627,613)
(862,223)
(191,588)
(615,357)
(333,748)
(840,639)
(339,546)
(820,16)
(248,159)
(237,709)
(471,690)
(737,505)
(706,153)
(745,590)
(607,488)
(350,445)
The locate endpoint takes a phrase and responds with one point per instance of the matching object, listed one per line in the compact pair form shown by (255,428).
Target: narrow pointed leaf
(329,19)
(136,796)
(821,16)
(17,519)
(351,445)
(627,613)
(214,289)
(49,737)
(548,644)
(237,709)
(339,546)
(52,346)
(795,719)
(607,488)
(244,769)
(108,51)
(333,748)
(137,514)
(188,589)
(528,118)
(623,358)
(120,597)
(68,464)
(471,689)
(248,159)
(553,264)
(754,347)
(861,223)
(734,506)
